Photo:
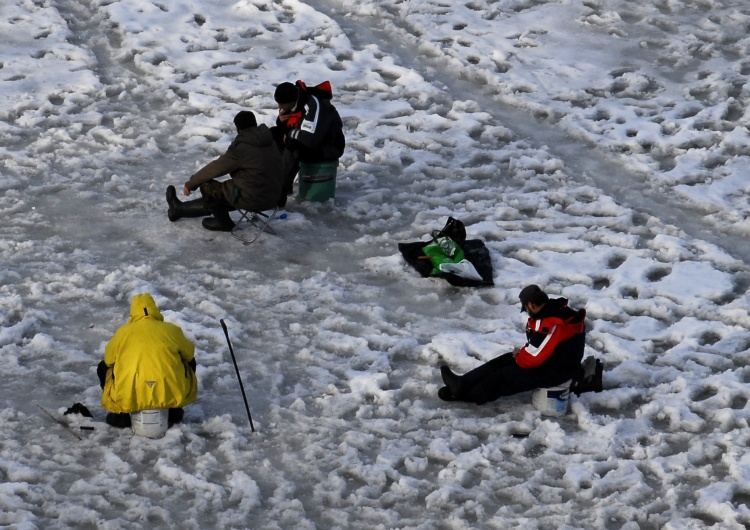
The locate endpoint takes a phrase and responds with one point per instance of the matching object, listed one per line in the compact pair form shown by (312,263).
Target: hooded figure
(148,364)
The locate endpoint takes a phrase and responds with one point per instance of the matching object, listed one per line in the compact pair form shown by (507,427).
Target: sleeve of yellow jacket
(148,361)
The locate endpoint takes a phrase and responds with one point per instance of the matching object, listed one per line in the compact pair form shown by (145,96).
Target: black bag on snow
(474,251)
(453,229)
(589,377)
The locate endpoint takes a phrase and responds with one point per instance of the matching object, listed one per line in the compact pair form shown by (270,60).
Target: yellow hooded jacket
(148,363)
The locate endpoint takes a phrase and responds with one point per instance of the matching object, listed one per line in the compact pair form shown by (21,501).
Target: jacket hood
(558,307)
(259,136)
(322,91)
(143,306)
(552,306)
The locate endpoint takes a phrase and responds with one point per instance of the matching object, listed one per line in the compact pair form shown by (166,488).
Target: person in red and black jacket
(556,337)
(308,128)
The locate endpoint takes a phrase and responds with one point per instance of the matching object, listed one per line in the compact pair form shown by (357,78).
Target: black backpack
(589,377)
(453,229)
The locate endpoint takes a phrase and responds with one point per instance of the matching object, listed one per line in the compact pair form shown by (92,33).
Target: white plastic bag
(463,268)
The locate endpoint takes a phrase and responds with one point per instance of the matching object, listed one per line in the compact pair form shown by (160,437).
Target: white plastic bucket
(552,401)
(150,423)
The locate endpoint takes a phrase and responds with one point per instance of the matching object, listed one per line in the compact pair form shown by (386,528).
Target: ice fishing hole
(600,283)
(689,112)
(703,394)
(739,403)
(708,338)
(661,346)
(629,292)
(654,275)
(615,261)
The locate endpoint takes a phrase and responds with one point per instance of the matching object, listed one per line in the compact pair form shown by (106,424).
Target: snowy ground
(600,149)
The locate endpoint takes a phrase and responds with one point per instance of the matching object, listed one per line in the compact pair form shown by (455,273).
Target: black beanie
(244,120)
(285,93)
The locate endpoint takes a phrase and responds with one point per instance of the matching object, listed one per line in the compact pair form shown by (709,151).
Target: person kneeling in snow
(253,163)
(555,336)
(148,364)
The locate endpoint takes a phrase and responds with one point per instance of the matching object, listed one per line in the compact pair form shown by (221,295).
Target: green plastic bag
(447,256)
(443,250)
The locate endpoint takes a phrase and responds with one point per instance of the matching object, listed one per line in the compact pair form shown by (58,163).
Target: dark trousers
(503,377)
(289,170)
(101,372)
(491,380)
(214,199)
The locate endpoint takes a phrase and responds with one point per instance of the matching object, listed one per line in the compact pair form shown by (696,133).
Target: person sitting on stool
(253,163)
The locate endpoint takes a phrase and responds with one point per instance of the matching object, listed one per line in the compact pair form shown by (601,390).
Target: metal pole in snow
(236,369)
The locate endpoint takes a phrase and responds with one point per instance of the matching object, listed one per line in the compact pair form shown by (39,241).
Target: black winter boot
(121,420)
(175,416)
(444,393)
(220,222)
(178,209)
(451,380)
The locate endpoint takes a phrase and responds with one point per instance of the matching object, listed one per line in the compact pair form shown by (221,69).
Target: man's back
(150,364)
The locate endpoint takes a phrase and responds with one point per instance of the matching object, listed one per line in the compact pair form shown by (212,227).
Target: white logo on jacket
(310,125)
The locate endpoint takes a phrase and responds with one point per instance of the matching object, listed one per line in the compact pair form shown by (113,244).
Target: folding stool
(253,218)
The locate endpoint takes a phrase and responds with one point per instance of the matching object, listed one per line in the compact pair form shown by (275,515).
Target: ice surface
(600,149)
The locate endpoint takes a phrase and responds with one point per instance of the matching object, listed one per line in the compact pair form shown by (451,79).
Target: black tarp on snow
(474,250)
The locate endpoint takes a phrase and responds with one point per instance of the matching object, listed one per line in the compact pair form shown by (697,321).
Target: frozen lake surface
(599,150)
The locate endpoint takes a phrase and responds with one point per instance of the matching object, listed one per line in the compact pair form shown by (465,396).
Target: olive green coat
(253,163)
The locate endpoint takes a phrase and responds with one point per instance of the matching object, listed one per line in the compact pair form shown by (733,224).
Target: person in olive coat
(253,163)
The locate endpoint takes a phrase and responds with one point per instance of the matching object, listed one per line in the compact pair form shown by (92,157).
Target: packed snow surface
(599,149)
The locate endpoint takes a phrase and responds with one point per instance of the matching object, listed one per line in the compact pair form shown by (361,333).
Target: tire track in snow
(393,37)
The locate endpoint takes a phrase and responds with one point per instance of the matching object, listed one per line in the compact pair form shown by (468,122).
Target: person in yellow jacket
(148,364)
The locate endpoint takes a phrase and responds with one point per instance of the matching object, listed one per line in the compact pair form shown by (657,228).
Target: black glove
(78,408)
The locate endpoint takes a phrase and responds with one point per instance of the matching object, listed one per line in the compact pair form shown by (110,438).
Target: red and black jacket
(556,333)
(314,131)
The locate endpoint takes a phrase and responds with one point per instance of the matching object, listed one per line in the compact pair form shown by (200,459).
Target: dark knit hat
(244,120)
(533,294)
(285,93)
